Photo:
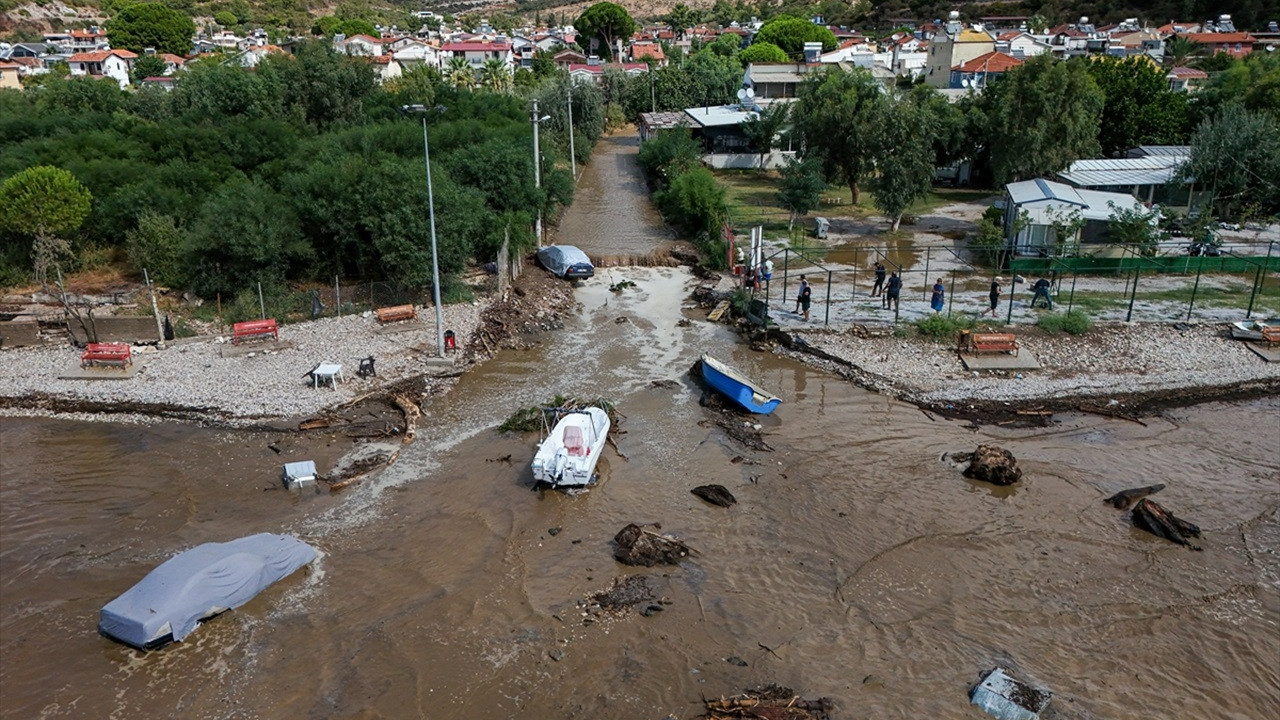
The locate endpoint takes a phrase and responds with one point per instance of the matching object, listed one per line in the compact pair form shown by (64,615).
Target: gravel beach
(248,385)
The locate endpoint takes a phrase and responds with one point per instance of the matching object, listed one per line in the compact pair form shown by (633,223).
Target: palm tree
(460,74)
(494,76)
(1179,49)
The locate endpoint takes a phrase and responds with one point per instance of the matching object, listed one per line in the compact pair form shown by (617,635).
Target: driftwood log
(993,464)
(1125,498)
(637,546)
(411,414)
(715,494)
(1151,516)
(769,703)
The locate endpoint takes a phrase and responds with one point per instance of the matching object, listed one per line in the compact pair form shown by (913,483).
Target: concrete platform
(1270,353)
(1024,360)
(102,372)
(402,327)
(230,351)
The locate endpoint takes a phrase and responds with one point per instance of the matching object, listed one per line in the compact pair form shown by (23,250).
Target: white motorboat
(1252,329)
(568,455)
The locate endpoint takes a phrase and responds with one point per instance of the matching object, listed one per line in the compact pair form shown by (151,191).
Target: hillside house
(955,46)
(114,64)
(980,71)
(476,52)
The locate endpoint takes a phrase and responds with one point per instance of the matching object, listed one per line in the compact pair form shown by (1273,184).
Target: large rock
(637,546)
(994,465)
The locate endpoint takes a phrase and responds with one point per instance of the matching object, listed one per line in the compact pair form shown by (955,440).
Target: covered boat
(1252,329)
(735,386)
(568,455)
(197,584)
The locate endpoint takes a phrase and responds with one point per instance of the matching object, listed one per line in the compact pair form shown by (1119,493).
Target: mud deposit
(854,566)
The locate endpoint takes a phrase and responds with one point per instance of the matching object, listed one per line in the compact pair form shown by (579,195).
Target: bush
(668,155)
(153,246)
(941,327)
(1074,322)
(695,201)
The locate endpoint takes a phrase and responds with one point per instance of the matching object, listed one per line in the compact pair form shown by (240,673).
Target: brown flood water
(873,571)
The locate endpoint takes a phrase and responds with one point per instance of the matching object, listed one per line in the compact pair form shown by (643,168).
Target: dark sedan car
(566,261)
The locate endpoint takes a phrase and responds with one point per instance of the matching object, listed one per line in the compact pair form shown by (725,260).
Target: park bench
(992,342)
(396,313)
(112,353)
(254,329)
(1271,335)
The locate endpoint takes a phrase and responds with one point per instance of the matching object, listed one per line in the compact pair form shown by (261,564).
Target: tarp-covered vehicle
(197,584)
(566,261)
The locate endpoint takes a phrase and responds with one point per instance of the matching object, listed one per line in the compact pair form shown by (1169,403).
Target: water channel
(857,564)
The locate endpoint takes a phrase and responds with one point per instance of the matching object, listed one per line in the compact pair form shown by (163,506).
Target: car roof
(571,253)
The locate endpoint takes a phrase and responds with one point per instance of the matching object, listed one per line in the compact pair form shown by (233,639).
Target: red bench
(254,329)
(990,342)
(111,353)
(1271,335)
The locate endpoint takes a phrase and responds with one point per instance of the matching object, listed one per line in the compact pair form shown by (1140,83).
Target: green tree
(727,45)
(459,73)
(1236,155)
(801,188)
(762,128)
(1178,50)
(835,115)
(356,26)
(213,90)
(151,25)
(226,18)
(153,246)
(1039,118)
(327,26)
(670,154)
(761,52)
(147,66)
(321,85)
(791,33)
(606,23)
(904,158)
(81,94)
(1138,227)
(682,18)
(1138,106)
(494,75)
(695,201)
(45,204)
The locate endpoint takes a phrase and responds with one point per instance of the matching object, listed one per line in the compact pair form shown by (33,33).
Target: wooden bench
(254,329)
(112,353)
(993,342)
(1271,334)
(396,313)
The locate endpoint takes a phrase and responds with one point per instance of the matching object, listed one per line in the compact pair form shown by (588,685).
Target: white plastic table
(329,372)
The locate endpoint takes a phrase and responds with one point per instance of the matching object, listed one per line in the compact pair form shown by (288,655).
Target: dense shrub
(695,201)
(1074,322)
(942,327)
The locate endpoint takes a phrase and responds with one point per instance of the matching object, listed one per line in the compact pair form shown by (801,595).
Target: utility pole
(573,159)
(537,164)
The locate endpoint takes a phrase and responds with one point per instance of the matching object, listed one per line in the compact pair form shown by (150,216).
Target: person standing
(801,293)
(1041,289)
(936,301)
(806,294)
(878,288)
(892,290)
(994,295)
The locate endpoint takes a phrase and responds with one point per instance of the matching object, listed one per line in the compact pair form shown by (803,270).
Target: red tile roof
(992,62)
(475,47)
(100,55)
(364,37)
(1186,73)
(1243,38)
(647,50)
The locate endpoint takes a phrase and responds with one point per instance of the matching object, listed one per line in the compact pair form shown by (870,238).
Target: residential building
(387,67)
(164,83)
(1154,179)
(28,50)
(568,58)
(362,46)
(725,145)
(476,53)
(1186,79)
(980,71)
(75,41)
(1021,45)
(594,72)
(955,45)
(1033,207)
(653,122)
(114,64)
(1142,42)
(417,54)
(10,73)
(648,52)
(1235,44)
(774,81)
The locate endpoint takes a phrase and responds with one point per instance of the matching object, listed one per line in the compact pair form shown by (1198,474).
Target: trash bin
(820,226)
(449,342)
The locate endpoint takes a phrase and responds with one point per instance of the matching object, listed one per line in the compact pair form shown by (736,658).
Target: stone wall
(130,329)
(19,333)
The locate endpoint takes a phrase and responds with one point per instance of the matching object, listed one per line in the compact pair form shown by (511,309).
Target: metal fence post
(1071,299)
(951,296)
(786,262)
(1134,294)
(928,252)
(1013,289)
(337,295)
(1253,293)
(1194,289)
(827,319)
(262,308)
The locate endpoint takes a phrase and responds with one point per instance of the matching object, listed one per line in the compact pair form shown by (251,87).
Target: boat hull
(731,384)
(556,465)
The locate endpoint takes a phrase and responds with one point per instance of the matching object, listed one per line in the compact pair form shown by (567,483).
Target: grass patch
(533,418)
(1073,323)
(940,327)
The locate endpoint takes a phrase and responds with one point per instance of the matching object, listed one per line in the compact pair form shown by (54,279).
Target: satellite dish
(742,95)
(750,92)
(964,82)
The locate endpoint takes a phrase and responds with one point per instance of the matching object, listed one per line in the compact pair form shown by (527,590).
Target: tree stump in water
(994,465)
(637,546)
(1124,498)
(715,494)
(1151,516)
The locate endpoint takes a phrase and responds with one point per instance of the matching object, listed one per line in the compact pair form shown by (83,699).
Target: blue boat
(735,386)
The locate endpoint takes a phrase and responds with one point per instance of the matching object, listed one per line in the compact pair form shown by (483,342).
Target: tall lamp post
(537,163)
(431,212)
(573,159)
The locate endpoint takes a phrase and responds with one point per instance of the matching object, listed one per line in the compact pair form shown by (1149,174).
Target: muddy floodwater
(856,564)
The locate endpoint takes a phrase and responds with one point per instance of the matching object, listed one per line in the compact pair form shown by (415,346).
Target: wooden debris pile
(638,546)
(538,417)
(1152,517)
(772,702)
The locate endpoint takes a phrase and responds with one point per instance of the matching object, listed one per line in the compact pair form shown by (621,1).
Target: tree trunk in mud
(897,220)
(1151,516)
(853,191)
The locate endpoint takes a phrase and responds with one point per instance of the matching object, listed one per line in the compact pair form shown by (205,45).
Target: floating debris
(1151,516)
(1006,698)
(1123,499)
(992,464)
(772,702)
(637,546)
(715,494)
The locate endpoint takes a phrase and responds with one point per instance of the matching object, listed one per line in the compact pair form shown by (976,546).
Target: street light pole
(573,160)
(537,164)
(431,214)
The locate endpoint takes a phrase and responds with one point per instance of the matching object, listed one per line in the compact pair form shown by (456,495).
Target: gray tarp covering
(199,583)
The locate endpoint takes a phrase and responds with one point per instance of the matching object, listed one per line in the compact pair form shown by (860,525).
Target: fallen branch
(1095,410)
(1125,498)
(411,414)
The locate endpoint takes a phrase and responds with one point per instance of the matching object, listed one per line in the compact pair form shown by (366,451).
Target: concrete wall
(133,329)
(19,334)
(747,161)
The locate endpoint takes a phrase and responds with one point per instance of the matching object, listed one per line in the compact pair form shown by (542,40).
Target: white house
(476,53)
(387,66)
(114,64)
(362,46)
(1033,207)
(1021,45)
(417,54)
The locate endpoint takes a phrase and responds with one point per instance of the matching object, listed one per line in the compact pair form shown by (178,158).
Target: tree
(695,201)
(834,115)
(727,45)
(494,75)
(672,153)
(46,204)
(1138,106)
(1236,155)
(327,26)
(459,73)
(214,90)
(147,66)
(1138,227)
(1039,118)
(321,85)
(761,52)
(604,24)
(226,18)
(357,26)
(1179,49)
(153,246)
(682,18)
(762,128)
(801,188)
(791,33)
(81,94)
(903,150)
(151,25)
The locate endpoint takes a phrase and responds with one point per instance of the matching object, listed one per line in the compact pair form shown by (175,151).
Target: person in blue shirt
(937,300)
(892,290)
